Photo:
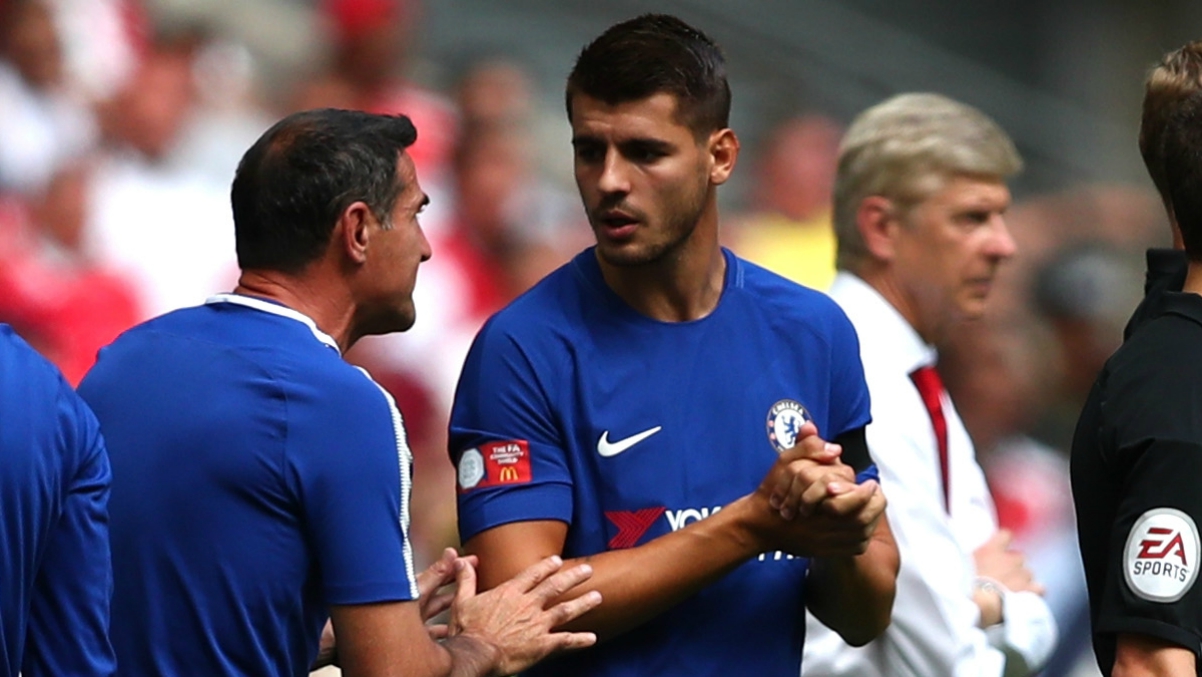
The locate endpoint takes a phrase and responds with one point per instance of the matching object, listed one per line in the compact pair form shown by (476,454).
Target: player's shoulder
(788,301)
(777,290)
(29,382)
(551,307)
(283,354)
(323,381)
(32,384)
(21,364)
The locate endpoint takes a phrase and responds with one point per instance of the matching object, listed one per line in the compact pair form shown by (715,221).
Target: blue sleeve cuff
(869,473)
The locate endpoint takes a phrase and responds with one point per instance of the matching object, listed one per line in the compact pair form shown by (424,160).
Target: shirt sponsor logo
(495,464)
(1160,560)
(633,525)
(785,419)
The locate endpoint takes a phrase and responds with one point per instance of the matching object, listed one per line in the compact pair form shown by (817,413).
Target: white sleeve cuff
(1027,633)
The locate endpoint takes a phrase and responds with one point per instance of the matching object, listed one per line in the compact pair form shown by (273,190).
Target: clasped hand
(816,507)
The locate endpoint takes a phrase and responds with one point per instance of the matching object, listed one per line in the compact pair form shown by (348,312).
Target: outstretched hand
(514,617)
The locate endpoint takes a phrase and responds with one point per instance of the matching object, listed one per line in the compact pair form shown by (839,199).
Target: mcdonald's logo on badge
(494,464)
(506,462)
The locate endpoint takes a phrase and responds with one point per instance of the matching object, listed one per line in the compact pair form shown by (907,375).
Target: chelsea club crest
(785,419)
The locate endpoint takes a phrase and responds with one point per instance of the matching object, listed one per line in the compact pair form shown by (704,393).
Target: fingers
(995,559)
(437,574)
(803,495)
(1004,538)
(536,573)
(565,612)
(438,632)
(999,541)
(857,513)
(810,446)
(865,499)
(465,578)
(806,483)
(437,604)
(555,586)
(573,640)
(801,500)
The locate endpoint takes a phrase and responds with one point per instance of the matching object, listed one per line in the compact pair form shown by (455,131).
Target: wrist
(990,596)
(747,527)
(472,655)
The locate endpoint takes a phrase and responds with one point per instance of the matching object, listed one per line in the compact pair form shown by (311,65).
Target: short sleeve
(351,468)
(1152,584)
(850,404)
(505,438)
(1150,420)
(68,631)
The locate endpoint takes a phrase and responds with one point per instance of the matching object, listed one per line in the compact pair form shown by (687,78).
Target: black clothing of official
(1138,450)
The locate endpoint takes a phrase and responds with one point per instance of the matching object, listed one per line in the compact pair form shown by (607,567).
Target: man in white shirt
(918,207)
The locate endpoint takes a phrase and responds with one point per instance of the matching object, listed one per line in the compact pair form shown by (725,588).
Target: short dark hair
(298,178)
(651,54)
(1182,149)
(1176,77)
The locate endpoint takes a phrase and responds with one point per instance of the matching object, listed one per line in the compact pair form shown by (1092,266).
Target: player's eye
(587,152)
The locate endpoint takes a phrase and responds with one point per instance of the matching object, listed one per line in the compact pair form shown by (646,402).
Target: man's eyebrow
(647,142)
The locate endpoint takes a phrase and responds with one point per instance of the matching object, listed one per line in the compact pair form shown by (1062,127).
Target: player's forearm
(854,595)
(1145,656)
(640,583)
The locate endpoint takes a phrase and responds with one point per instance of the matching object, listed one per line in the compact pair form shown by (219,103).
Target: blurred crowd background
(121,123)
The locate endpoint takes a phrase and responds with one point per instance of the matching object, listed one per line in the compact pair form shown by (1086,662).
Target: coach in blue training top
(55,576)
(262,483)
(626,409)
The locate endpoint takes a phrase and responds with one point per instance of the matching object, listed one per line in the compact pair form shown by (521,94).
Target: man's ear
(352,231)
(878,222)
(724,153)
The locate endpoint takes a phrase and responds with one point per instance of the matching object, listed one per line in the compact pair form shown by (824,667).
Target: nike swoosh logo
(607,448)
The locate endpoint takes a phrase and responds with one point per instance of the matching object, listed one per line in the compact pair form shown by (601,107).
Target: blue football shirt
(258,479)
(55,575)
(574,407)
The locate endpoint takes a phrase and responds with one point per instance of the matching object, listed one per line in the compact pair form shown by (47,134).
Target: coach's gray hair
(904,149)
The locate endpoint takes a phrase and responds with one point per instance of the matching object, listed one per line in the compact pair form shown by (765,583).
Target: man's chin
(973,310)
(622,256)
(390,325)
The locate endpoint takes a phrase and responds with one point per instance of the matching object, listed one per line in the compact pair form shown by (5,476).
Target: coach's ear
(878,223)
(352,231)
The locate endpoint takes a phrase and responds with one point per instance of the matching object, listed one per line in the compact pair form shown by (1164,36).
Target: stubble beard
(683,217)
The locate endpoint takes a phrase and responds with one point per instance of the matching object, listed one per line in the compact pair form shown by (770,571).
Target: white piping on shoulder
(275,309)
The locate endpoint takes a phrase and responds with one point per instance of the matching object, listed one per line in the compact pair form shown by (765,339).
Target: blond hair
(904,149)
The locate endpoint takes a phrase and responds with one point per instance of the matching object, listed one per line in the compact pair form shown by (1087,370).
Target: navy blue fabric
(259,479)
(569,362)
(55,574)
